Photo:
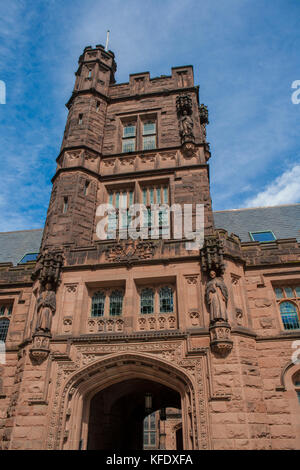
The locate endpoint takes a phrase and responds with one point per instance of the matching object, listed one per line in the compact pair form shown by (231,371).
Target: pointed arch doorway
(103,404)
(117,413)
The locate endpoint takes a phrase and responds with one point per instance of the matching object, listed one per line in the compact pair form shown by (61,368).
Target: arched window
(289,316)
(166,300)
(98,302)
(116,302)
(4,324)
(147,301)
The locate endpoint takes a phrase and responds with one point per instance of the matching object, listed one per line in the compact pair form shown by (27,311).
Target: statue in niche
(46,307)
(186,126)
(217,297)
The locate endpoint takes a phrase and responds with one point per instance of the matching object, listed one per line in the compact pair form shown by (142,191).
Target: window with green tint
(116,302)
(267,236)
(129,131)
(279,293)
(297,290)
(4,325)
(289,292)
(166,300)
(298,395)
(98,302)
(149,128)
(128,145)
(147,301)
(149,142)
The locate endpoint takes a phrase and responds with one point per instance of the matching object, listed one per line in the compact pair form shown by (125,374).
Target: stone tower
(105,331)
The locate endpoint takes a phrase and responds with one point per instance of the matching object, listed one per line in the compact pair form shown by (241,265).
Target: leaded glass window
(279,293)
(98,303)
(4,324)
(116,303)
(149,135)
(147,301)
(166,300)
(289,316)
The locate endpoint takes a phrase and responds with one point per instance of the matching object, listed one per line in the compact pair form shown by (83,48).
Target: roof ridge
(259,207)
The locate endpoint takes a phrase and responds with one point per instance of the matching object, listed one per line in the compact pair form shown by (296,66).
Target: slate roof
(14,245)
(283,221)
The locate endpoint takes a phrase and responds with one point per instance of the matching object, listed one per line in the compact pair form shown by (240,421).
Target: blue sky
(245,55)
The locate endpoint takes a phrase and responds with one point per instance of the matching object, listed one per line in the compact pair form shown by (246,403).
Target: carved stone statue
(186,126)
(217,297)
(46,307)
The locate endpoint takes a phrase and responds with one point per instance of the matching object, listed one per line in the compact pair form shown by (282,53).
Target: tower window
(97,106)
(90,74)
(86,187)
(116,303)
(80,118)
(4,325)
(266,236)
(149,135)
(65,206)
(147,301)
(129,138)
(166,300)
(98,302)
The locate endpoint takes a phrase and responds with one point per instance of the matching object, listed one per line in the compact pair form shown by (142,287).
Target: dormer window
(263,237)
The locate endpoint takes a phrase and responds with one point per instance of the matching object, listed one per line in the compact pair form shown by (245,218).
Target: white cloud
(285,189)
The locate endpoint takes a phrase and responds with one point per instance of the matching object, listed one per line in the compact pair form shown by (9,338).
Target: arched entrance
(111,393)
(117,414)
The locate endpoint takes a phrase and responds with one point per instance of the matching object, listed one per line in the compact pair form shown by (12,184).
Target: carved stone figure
(217,297)
(46,306)
(186,126)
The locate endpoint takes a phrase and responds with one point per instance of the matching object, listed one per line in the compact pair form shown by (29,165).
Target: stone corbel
(220,338)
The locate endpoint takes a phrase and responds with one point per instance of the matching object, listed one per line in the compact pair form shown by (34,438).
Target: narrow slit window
(65,206)
(80,118)
(86,188)
(97,106)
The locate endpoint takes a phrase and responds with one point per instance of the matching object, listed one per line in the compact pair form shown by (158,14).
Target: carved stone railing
(164,321)
(105,325)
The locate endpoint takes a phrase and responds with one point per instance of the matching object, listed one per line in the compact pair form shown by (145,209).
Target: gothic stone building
(99,334)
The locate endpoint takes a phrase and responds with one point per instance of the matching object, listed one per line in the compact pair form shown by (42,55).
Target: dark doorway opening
(117,414)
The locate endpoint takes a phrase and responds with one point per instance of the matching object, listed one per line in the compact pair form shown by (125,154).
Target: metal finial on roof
(107,40)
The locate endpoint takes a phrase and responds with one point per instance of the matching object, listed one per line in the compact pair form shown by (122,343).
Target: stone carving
(203,114)
(194,316)
(220,338)
(216,297)
(105,325)
(46,307)
(40,348)
(212,254)
(130,251)
(184,113)
(47,272)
